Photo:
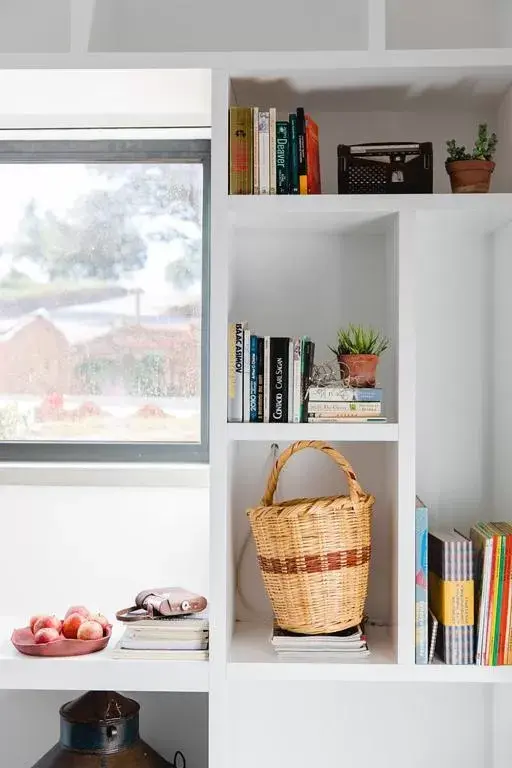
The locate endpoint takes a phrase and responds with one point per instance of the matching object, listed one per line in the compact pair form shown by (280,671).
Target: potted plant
(358,351)
(472,172)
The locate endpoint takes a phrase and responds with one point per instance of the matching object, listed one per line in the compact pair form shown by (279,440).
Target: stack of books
(492,544)
(268,156)
(341,404)
(178,638)
(346,645)
(268,376)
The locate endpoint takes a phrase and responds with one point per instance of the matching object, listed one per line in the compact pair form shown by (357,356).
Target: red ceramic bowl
(23,641)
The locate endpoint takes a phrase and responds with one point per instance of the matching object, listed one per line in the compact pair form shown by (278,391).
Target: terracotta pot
(360,370)
(470,175)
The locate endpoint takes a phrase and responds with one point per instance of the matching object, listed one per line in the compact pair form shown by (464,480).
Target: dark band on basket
(332,561)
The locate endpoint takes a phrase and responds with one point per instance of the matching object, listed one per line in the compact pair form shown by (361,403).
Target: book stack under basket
(178,638)
(345,645)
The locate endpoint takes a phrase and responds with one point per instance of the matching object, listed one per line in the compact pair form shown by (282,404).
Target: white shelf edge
(362,433)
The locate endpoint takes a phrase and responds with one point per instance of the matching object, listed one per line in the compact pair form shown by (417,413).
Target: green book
(283,157)
(294,156)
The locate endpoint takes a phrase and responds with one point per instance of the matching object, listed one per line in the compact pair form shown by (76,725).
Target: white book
(235,370)
(266,379)
(134,634)
(323,657)
(290,381)
(255,150)
(272,151)
(264,152)
(162,645)
(357,408)
(247,377)
(297,380)
(126,653)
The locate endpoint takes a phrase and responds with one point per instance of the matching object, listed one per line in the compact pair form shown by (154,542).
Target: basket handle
(354,488)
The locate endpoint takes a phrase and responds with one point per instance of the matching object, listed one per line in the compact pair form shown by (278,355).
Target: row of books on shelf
(463,593)
(269,380)
(268,156)
(178,638)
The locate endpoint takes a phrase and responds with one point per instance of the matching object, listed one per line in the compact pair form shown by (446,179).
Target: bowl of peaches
(78,633)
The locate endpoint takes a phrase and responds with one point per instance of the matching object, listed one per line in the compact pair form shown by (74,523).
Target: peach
(72,624)
(46,635)
(90,630)
(34,619)
(101,619)
(47,622)
(81,609)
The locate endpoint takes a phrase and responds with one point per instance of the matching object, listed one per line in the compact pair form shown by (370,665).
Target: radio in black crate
(385,169)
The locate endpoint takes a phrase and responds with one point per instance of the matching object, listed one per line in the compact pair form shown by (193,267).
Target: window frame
(116,150)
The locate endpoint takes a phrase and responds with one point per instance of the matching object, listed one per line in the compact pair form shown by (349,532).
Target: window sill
(106,475)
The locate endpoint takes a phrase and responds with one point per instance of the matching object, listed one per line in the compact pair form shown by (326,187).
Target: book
(342,408)
(255,151)
(278,379)
(162,644)
(283,157)
(301,143)
(345,394)
(235,370)
(346,419)
(272,150)
(247,376)
(171,626)
(155,655)
(306,370)
(260,362)
(266,380)
(264,151)
(351,643)
(240,151)
(451,594)
(294,156)
(253,395)
(290,380)
(297,382)
(433,626)
(421,582)
(312,157)
(483,556)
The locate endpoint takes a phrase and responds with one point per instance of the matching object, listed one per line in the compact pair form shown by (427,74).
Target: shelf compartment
(97,671)
(363,433)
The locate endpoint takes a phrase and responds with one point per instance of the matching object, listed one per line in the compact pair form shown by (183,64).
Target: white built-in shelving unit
(434,272)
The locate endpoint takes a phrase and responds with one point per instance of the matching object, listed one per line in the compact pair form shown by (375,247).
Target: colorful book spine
(256,150)
(253,398)
(235,371)
(301,141)
(278,408)
(240,151)
(294,156)
(266,380)
(272,150)
(261,363)
(247,376)
(264,152)
(283,157)
(345,394)
(344,408)
(421,586)
(312,157)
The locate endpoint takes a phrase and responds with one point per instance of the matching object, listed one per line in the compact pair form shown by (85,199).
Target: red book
(313,157)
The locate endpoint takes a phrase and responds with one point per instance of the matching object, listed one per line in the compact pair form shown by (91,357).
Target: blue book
(421,568)
(253,384)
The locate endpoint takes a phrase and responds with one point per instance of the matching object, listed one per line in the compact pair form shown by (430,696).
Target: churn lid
(99,707)
(100,722)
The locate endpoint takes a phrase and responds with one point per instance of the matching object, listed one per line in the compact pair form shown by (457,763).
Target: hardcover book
(421,585)
(345,394)
(312,157)
(253,393)
(240,151)
(301,143)
(294,156)
(235,371)
(283,157)
(264,152)
(278,406)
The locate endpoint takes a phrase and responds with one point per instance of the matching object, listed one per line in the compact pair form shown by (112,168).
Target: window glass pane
(100,302)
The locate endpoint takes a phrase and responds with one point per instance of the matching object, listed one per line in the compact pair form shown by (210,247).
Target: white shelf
(97,671)
(350,433)
(342,213)
(252,658)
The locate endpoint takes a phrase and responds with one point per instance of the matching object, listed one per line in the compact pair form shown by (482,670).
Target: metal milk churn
(101,730)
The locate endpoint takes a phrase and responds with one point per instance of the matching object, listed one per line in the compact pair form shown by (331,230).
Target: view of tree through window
(100,301)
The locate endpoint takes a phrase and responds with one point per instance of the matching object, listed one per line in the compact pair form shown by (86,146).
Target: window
(104,281)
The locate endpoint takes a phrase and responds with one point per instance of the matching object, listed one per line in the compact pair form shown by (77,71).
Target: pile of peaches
(78,624)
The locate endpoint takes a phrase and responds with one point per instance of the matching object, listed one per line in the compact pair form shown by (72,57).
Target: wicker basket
(314,554)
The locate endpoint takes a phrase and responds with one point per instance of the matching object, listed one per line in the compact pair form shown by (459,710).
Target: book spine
(283,157)
(261,363)
(306,364)
(240,151)
(313,157)
(350,409)
(266,380)
(235,372)
(297,390)
(290,380)
(272,150)
(253,398)
(301,142)
(294,156)
(335,419)
(279,379)
(345,394)
(256,151)
(247,376)
(421,554)
(264,152)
